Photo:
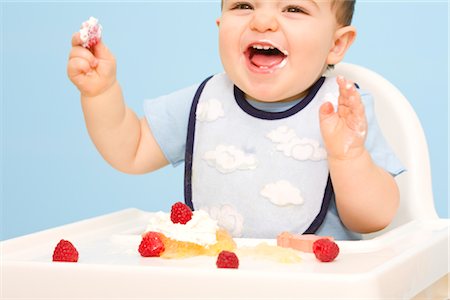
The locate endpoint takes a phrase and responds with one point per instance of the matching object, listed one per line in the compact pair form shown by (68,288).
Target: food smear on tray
(271,252)
(184,233)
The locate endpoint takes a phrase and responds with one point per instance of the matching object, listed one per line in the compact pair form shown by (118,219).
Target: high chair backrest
(403,131)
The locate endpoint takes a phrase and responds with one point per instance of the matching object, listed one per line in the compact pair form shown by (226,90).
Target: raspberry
(65,251)
(92,42)
(325,250)
(227,259)
(180,213)
(151,245)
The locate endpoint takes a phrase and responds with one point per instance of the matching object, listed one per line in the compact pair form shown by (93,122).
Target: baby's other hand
(93,70)
(345,130)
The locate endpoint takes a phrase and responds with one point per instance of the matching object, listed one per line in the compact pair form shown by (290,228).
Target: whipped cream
(201,229)
(90,32)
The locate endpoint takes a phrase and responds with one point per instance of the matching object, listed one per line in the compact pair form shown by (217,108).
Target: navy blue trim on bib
(323,209)
(190,146)
(260,114)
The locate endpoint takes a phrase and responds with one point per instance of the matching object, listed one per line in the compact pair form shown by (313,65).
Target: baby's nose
(263,21)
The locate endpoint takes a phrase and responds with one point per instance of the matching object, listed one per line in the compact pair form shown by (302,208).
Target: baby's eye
(294,9)
(242,5)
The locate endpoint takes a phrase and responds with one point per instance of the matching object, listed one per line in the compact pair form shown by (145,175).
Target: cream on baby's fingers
(352,113)
(346,87)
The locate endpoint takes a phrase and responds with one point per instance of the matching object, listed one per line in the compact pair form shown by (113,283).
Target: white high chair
(410,261)
(403,131)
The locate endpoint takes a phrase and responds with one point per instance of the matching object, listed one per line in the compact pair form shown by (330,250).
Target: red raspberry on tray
(151,245)
(180,213)
(227,259)
(65,251)
(325,250)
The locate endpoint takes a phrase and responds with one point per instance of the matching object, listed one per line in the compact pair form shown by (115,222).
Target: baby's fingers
(76,40)
(348,95)
(355,104)
(77,66)
(82,53)
(346,88)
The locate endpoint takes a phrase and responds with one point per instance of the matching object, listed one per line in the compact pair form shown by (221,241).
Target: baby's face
(274,50)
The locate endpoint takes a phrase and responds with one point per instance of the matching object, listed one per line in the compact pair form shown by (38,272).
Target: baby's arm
(367,196)
(122,139)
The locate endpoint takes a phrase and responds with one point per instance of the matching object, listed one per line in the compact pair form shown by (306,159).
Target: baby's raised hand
(92,70)
(344,131)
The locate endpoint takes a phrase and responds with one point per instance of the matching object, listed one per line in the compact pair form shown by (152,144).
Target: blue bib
(258,173)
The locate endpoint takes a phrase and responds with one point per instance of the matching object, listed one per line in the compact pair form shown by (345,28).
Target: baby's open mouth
(265,56)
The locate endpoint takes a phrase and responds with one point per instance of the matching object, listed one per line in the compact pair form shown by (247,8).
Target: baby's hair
(344,11)
(343,8)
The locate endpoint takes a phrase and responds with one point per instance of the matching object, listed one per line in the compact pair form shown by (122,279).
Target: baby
(270,145)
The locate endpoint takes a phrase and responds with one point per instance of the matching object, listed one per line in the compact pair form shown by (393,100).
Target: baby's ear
(343,39)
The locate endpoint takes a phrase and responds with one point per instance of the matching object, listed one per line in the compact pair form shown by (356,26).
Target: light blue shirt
(168,116)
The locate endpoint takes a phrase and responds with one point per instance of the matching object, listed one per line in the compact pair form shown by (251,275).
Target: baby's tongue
(264,60)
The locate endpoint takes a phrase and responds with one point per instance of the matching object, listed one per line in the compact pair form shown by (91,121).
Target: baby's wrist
(102,92)
(350,155)
(359,165)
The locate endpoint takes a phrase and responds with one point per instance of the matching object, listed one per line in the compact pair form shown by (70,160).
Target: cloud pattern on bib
(291,145)
(229,158)
(209,110)
(282,193)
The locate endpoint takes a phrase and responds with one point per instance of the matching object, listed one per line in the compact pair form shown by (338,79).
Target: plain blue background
(52,173)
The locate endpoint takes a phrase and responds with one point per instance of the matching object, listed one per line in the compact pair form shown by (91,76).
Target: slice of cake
(185,233)
(301,242)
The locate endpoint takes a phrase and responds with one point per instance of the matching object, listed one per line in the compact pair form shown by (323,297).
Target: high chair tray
(398,264)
